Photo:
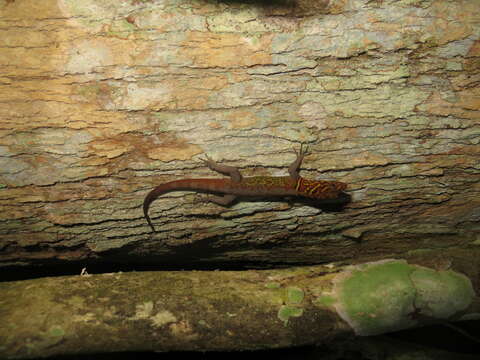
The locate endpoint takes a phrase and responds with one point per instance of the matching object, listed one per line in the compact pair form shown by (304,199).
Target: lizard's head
(320,189)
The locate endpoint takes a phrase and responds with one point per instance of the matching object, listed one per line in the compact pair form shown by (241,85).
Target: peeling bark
(103,101)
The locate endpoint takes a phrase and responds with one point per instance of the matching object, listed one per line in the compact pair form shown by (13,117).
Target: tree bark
(102,101)
(217,310)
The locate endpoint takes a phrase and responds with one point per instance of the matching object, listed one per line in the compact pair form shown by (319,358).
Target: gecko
(255,186)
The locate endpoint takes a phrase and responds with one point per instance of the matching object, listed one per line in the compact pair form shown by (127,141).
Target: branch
(221,310)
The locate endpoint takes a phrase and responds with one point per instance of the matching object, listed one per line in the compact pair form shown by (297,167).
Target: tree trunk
(103,102)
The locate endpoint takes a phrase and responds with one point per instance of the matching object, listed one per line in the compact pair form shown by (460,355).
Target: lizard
(254,186)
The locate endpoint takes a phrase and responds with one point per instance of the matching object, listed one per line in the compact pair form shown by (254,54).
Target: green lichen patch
(57,331)
(286,312)
(453,289)
(385,296)
(325,300)
(291,301)
(377,298)
(295,295)
(272,285)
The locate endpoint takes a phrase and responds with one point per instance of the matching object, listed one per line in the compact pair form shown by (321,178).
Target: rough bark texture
(216,310)
(104,99)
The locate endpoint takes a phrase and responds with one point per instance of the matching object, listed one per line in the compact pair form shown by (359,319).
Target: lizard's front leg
(294,168)
(223,169)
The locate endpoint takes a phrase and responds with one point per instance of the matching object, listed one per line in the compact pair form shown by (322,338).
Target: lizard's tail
(202,185)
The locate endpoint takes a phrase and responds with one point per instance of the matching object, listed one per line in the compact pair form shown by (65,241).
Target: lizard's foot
(302,152)
(223,169)
(294,167)
(200,199)
(223,200)
(209,162)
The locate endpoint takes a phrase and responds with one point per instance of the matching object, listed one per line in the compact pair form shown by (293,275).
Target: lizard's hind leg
(224,200)
(223,169)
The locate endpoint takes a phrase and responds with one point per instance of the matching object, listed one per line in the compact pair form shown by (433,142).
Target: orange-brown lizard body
(255,186)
